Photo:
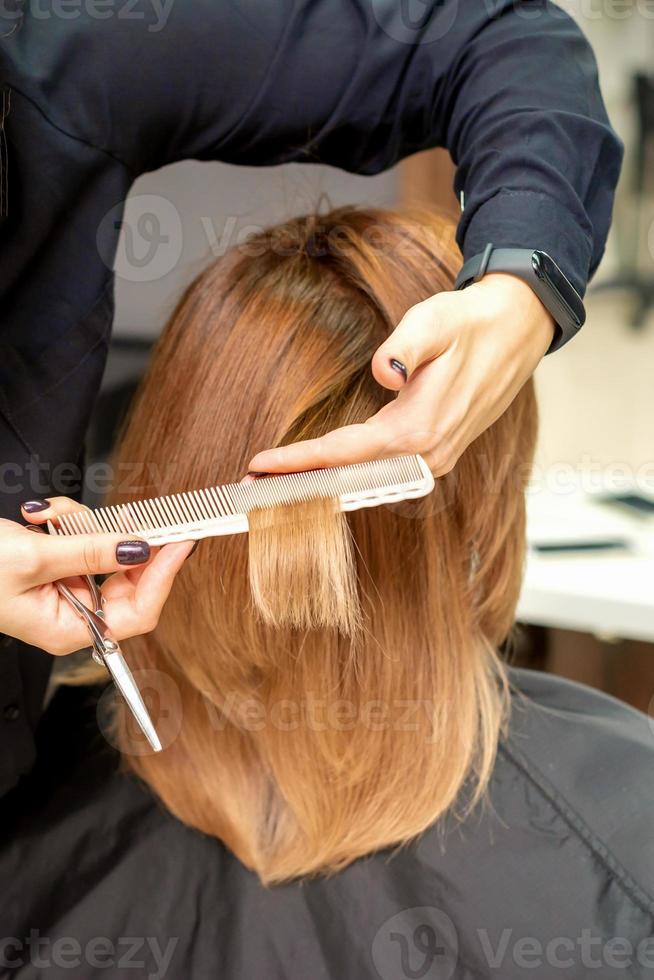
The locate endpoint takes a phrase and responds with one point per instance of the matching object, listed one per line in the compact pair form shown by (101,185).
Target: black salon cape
(553,878)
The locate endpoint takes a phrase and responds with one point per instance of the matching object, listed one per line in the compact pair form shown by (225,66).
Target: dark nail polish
(34,506)
(257,473)
(400,368)
(193,549)
(132,552)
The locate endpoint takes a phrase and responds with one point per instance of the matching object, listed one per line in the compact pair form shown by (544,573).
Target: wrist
(506,297)
(544,277)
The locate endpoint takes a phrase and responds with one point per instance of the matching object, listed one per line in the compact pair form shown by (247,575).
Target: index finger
(49,558)
(357,443)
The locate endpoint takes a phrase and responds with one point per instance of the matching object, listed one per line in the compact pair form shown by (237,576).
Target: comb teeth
(224,509)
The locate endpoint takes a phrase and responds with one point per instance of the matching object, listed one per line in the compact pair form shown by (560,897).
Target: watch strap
(517,262)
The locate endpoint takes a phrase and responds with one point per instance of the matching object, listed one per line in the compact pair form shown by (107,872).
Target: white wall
(202,207)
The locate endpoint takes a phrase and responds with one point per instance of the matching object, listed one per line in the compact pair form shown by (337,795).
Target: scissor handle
(98,598)
(101,641)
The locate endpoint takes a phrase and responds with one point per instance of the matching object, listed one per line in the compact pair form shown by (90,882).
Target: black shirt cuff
(529,219)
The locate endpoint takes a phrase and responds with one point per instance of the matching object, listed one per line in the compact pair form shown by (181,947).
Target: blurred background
(587,609)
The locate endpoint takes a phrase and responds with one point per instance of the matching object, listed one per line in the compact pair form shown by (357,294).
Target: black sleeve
(508,86)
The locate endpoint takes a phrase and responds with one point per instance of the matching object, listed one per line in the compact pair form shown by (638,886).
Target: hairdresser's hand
(466,354)
(31,608)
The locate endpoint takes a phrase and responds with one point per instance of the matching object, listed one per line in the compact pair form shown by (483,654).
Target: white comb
(224,509)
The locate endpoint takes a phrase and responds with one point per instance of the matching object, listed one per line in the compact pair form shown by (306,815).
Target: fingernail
(34,506)
(256,473)
(193,549)
(132,552)
(400,368)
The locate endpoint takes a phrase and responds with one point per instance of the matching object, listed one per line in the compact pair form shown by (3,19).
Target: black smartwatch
(540,271)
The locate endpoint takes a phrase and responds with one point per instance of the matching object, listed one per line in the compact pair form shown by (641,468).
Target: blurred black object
(634,503)
(639,283)
(126,364)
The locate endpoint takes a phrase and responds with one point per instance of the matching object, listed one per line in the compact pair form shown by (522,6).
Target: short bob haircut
(337,679)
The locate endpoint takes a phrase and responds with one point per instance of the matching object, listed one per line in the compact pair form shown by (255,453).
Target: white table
(608,593)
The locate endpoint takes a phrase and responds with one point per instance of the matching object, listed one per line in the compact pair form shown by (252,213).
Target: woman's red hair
(338,679)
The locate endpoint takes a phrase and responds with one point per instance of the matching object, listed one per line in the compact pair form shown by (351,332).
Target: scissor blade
(124,681)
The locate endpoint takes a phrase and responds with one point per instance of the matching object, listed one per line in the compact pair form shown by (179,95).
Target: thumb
(419,337)
(51,557)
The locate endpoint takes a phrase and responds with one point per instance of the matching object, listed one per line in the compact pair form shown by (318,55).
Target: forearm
(537,159)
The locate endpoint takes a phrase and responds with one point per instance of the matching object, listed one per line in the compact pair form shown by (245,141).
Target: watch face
(547,270)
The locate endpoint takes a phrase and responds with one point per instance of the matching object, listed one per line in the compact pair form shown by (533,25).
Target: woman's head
(338,676)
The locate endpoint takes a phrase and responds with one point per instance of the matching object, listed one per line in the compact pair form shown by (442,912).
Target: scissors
(106,651)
